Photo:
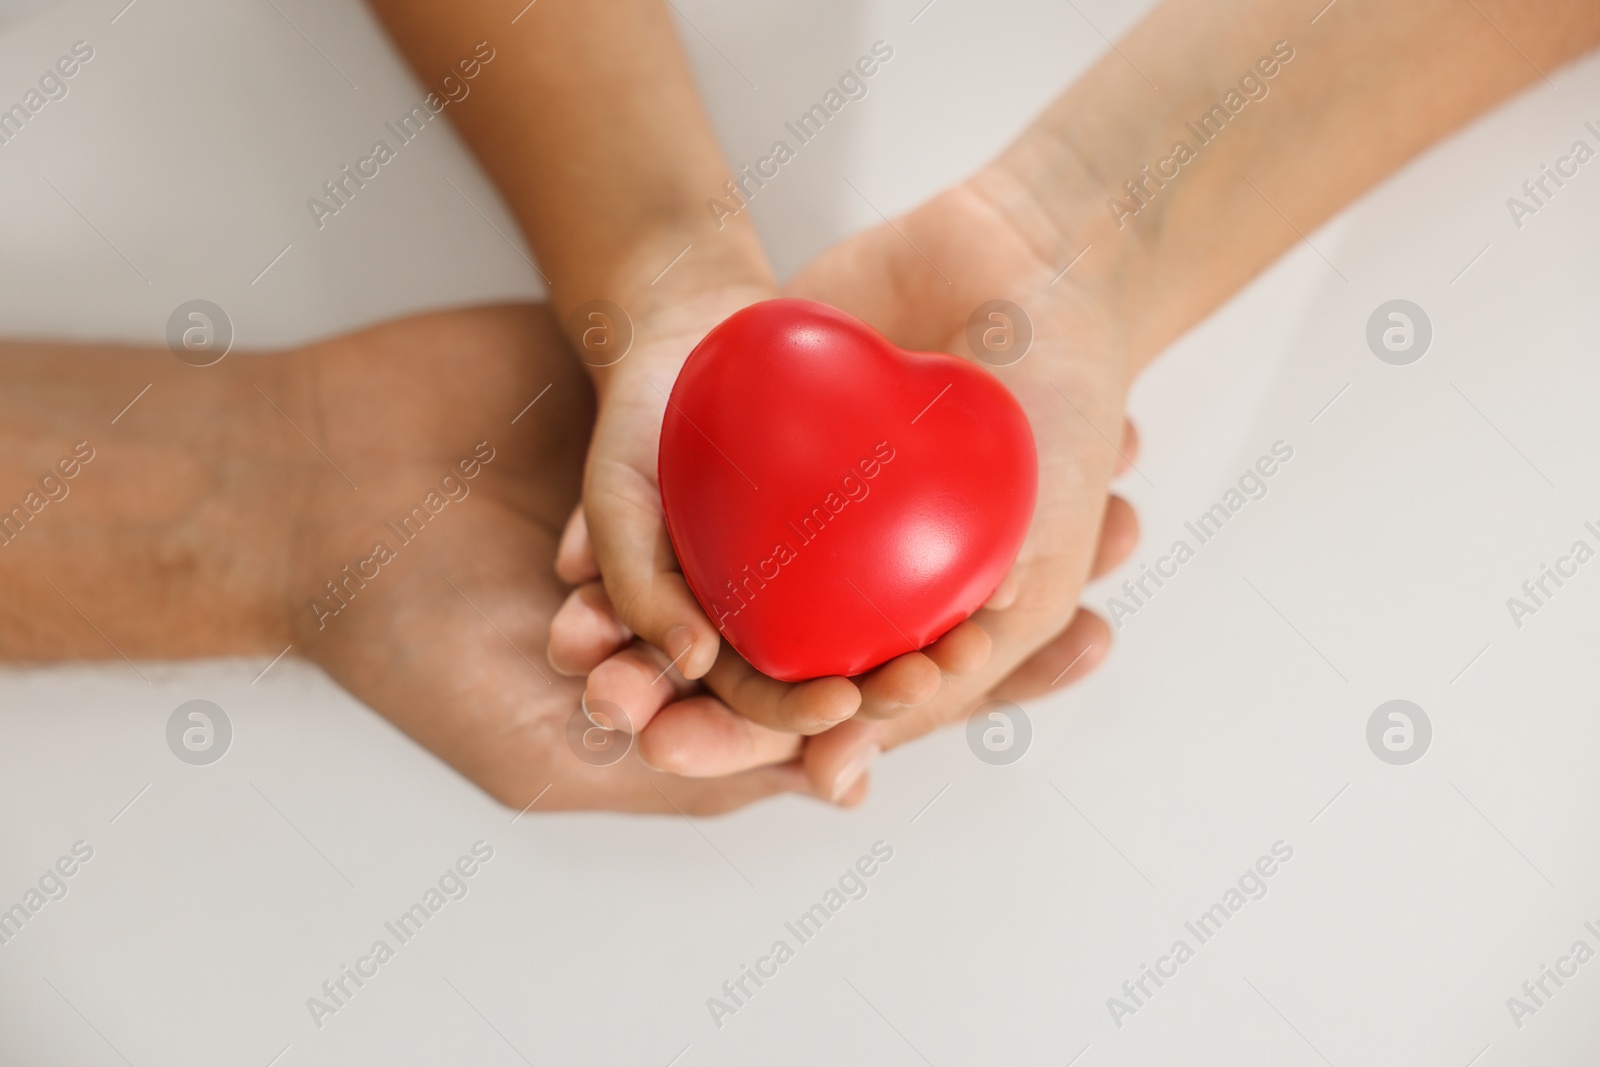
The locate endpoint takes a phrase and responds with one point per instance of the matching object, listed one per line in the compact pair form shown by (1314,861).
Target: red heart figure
(836,501)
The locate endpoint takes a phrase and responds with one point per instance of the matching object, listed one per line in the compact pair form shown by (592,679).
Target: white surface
(1008,915)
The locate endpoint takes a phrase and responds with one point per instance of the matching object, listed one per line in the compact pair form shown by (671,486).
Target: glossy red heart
(836,501)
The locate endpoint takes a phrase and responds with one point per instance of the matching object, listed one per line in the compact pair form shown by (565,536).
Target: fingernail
(605,714)
(834,718)
(678,641)
(851,773)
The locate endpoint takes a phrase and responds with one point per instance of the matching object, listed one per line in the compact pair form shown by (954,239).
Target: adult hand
(220,515)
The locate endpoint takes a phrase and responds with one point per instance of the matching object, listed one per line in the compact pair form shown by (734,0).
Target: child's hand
(619,537)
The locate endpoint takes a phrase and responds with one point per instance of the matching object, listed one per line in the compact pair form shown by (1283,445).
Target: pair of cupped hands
(225,502)
(655,663)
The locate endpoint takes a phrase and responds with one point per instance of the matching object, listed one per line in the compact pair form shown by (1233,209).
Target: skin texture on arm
(591,127)
(1371,84)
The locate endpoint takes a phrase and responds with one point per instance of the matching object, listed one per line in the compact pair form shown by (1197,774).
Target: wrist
(660,295)
(1063,195)
(1081,264)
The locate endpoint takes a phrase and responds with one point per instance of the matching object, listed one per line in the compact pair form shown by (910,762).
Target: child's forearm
(589,122)
(1319,112)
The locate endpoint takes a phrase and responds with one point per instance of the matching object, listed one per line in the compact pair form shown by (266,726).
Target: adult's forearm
(590,124)
(1199,150)
(136,495)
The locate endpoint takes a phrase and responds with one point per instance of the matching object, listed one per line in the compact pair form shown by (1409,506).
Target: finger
(1005,594)
(796,707)
(1119,534)
(1128,454)
(855,795)
(836,761)
(575,562)
(913,679)
(702,737)
(713,796)
(669,794)
(963,650)
(639,680)
(898,686)
(585,630)
(629,535)
(1068,656)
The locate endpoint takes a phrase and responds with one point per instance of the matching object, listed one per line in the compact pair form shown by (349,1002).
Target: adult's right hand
(220,515)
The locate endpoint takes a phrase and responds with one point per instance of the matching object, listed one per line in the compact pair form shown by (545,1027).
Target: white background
(1227,719)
